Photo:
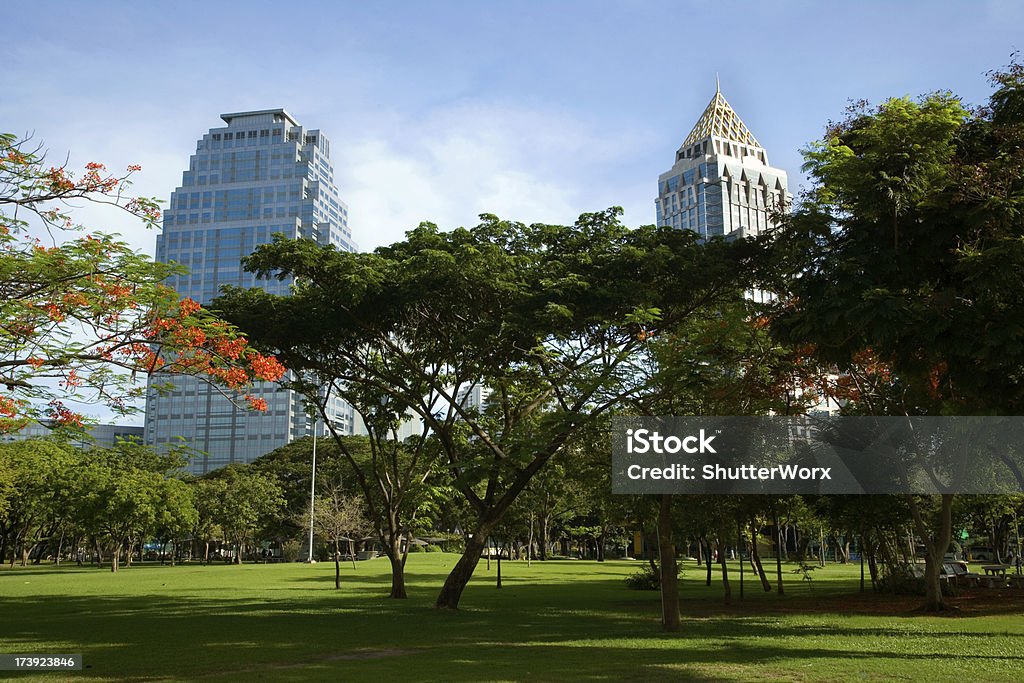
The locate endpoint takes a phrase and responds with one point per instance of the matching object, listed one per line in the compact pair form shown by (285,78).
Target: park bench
(959,573)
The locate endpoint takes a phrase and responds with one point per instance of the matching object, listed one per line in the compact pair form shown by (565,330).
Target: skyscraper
(259,175)
(720,184)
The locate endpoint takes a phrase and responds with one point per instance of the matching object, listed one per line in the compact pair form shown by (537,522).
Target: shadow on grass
(562,621)
(524,634)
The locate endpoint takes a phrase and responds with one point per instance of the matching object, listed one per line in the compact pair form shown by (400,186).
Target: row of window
(263,133)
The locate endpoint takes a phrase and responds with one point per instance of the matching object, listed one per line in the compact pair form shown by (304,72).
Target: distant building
(259,175)
(473,396)
(411,426)
(98,435)
(721,184)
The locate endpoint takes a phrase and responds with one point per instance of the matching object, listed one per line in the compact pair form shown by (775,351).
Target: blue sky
(535,111)
(438,111)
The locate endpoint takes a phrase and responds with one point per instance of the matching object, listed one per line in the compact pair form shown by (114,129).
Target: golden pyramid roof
(720,120)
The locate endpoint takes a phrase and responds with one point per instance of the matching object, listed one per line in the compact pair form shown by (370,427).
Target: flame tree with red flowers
(83,316)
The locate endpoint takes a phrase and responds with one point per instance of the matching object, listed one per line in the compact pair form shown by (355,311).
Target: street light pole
(312,493)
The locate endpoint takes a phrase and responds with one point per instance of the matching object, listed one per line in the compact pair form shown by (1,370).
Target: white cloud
(530,165)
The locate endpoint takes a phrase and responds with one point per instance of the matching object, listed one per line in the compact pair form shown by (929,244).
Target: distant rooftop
(262,112)
(721,121)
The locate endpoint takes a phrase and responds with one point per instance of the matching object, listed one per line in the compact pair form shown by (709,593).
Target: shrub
(648,579)
(433,549)
(290,550)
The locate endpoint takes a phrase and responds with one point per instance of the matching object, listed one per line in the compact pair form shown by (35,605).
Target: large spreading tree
(549,319)
(906,259)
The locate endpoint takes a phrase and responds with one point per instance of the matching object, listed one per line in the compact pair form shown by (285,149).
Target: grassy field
(560,620)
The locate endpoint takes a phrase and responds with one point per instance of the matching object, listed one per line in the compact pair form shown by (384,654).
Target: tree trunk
(778,555)
(542,529)
(397,568)
(337,565)
(936,542)
(739,546)
(725,572)
(862,564)
(60,548)
(669,578)
(206,553)
(709,562)
(873,568)
(934,601)
(529,544)
(115,557)
(462,572)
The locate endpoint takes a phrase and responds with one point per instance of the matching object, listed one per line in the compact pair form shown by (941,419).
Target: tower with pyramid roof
(720,184)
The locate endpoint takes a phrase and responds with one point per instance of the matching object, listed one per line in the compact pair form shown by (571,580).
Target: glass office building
(720,184)
(259,175)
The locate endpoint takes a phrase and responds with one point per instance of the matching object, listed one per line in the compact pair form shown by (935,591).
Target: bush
(413,548)
(290,550)
(433,549)
(647,579)
(904,584)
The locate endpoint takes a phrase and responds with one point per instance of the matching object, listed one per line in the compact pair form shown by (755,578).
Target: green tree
(291,467)
(539,315)
(719,362)
(117,505)
(34,496)
(250,500)
(177,515)
(907,254)
(209,496)
(339,517)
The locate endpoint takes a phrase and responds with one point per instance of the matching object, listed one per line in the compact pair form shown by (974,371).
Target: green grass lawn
(559,620)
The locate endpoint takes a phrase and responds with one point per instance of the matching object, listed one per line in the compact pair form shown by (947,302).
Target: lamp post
(312,493)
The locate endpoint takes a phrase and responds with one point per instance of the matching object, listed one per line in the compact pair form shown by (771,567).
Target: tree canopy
(551,320)
(903,268)
(83,314)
